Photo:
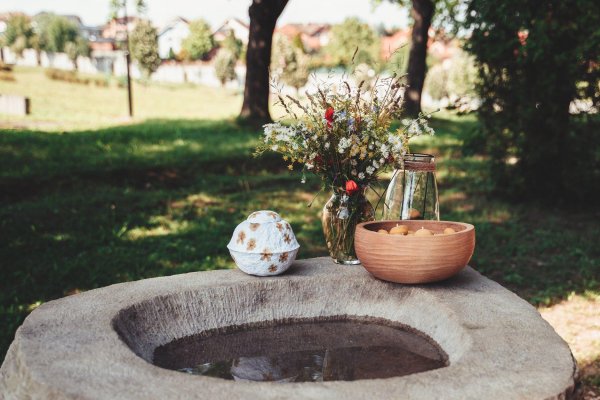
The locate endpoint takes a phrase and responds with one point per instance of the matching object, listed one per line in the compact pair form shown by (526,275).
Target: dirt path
(577,320)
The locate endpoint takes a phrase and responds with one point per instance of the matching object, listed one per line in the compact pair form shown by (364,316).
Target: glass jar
(341,214)
(413,192)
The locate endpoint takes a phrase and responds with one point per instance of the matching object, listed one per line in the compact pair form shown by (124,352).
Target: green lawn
(87,208)
(56,105)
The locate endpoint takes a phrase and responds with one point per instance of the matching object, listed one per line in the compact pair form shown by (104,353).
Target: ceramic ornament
(264,244)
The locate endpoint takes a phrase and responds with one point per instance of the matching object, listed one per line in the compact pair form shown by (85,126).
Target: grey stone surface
(98,344)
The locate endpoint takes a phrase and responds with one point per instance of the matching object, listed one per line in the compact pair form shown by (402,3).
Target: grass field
(56,105)
(83,206)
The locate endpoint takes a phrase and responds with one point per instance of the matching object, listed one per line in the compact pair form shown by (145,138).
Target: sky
(95,12)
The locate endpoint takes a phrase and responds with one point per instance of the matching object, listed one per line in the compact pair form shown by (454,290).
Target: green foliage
(233,44)
(225,66)
(73,77)
(57,32)
(171,55)
(298,44)
(462,76)
(76,49)
(116,6)
(19,45)
(457,79)
(144,47)
(289,63)
(18,34)
(398,61)
(532,57)
(199,42)
(352,36)
(436,82)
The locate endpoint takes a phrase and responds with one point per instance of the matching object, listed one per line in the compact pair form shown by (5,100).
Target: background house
(171,36)
(240,30)
(116,27)
(313,36)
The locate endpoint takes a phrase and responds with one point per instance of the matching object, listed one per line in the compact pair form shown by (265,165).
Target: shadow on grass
(88,209)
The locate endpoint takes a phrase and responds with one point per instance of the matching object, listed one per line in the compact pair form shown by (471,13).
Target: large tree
(18,34)
(144,47)
(353,40)
(424,13)
(58,32)
(80,47)
(289,63)
(199,41)
(263,17)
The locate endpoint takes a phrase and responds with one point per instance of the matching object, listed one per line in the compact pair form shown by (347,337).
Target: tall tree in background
(353,38)
(289,63)
(225,66)
(424,13)
(199,41)
(233,44)
(263,17)
(80,47)
(58,32)
(18,34)
(144,47)
(120,7)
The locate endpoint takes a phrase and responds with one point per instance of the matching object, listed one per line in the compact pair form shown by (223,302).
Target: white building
(239,28)
(171,36)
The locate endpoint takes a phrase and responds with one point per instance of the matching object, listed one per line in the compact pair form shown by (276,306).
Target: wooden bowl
(414,259)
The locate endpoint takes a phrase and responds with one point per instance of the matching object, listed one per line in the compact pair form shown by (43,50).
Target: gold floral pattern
(279,226)
(241,237)
(272,214)
(283,257)
(251,244)
(254,226)
(273,268)
(265,255)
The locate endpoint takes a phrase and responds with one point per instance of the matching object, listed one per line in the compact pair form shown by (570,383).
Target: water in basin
(304,351)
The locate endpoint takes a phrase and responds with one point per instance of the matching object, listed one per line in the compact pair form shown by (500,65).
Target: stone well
(100,344)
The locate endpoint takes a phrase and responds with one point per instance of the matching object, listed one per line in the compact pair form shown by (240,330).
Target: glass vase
(341,214)
(413,192)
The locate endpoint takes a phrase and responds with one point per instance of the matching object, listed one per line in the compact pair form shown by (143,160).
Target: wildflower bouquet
(343,135)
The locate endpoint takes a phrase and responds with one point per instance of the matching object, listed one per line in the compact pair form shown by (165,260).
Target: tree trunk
(422,13)
(263,17)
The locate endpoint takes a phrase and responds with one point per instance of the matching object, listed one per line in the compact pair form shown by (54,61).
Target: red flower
(329,116)
(351,187)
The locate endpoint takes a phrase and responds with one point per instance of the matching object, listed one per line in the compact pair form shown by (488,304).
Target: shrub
(534,59)
(199,42)
(144,47)
(225,66)
(72,77)
(289,63)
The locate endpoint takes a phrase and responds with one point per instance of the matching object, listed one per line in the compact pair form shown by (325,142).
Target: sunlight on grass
(577,320)
(57,105)
(165,147)
(164,226)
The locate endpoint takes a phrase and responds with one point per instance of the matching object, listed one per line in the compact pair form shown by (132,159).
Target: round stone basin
(109,343)
(327,349)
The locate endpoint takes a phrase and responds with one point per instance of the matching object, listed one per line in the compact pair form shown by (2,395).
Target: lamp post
(128,61)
